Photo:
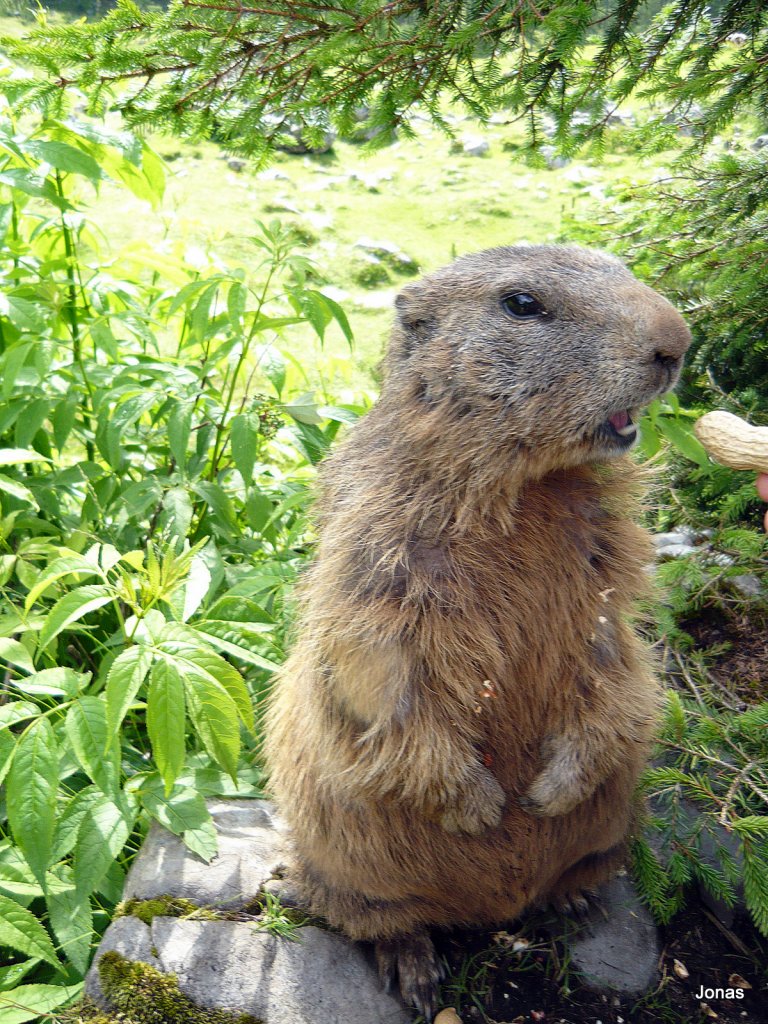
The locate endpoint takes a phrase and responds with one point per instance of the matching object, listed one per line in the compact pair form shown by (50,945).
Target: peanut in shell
(733,442)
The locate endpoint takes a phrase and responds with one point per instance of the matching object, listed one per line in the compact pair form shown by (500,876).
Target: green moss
(370,273)
(140,994)
(87,1012)
(163,906)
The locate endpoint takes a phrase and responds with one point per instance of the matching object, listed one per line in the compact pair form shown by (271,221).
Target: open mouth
(621,428)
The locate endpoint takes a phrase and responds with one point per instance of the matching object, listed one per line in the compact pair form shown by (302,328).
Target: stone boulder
(223,959)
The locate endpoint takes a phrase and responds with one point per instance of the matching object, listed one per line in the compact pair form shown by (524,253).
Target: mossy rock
(163,906)
(140,994)
(302,234)
(370,272)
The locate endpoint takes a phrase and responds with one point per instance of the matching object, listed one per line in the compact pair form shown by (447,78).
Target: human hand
(762,490)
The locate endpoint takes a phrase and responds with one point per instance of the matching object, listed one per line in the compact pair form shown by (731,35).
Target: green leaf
(65,158)
(63,420)
(154,171)
(12,363)
(684,440)
(18,456)
(72,922)
(196,586)
(32,789)
(219,503)
(29,424)
(17,490)
(17,711)
(258,509)
(23,314)
(338,315)
(179,427)
(312,441)
(177,512)
(214,715)
(7,750)
(304,410)
(315,307)
(202,840)
(103,833)
(53,682)
(92,742)
(29,1002)
(237,650)
(195,659)
(21,930)
(244,439)
(12,975)
(15,653)
(68,824)
(751,825)
(128,671)
(166,718)
(32,184)
(182,810)
(71,608)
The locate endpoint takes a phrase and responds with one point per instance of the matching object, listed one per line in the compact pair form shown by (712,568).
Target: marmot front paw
(563,783)
(552,794)
(477,807)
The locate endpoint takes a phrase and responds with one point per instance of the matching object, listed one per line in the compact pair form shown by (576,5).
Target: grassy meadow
(419,195)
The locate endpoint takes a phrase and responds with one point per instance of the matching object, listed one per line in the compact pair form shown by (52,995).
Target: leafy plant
(279,920)
(154,461)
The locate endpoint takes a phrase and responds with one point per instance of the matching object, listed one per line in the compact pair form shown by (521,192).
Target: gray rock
(236,164)
(364,131)
(387,253)
(474,145)
(747,584)
(553,159)
(760,143)
(720,558)
(682,535)
(675,550)
(618,951)
(252,848)
(318,978)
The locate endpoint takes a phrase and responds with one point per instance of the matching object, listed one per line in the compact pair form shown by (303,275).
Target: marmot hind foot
(412,961)
(578,903)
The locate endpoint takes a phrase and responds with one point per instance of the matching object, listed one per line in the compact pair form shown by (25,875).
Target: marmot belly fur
(459,728)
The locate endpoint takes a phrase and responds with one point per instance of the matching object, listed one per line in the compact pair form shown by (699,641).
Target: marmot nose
(669,337)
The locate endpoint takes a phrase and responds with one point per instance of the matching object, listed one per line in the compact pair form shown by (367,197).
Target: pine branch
(301,61)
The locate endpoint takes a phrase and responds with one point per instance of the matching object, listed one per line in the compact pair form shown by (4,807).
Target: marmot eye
(522,305)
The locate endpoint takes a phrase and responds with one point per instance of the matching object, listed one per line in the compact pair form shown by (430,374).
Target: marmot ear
(414,317)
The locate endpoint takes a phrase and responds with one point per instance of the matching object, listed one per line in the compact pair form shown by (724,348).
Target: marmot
(458,731)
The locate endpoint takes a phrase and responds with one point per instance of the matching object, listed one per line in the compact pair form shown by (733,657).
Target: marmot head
(551,349)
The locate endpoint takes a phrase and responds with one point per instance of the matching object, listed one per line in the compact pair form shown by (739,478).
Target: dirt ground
(499,984)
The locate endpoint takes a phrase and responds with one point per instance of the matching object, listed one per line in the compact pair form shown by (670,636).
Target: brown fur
(459,729)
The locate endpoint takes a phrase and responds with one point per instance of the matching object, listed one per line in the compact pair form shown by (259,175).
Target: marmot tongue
(620,420)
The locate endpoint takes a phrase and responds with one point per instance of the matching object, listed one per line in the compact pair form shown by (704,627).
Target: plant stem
(74,322)
(220,440)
